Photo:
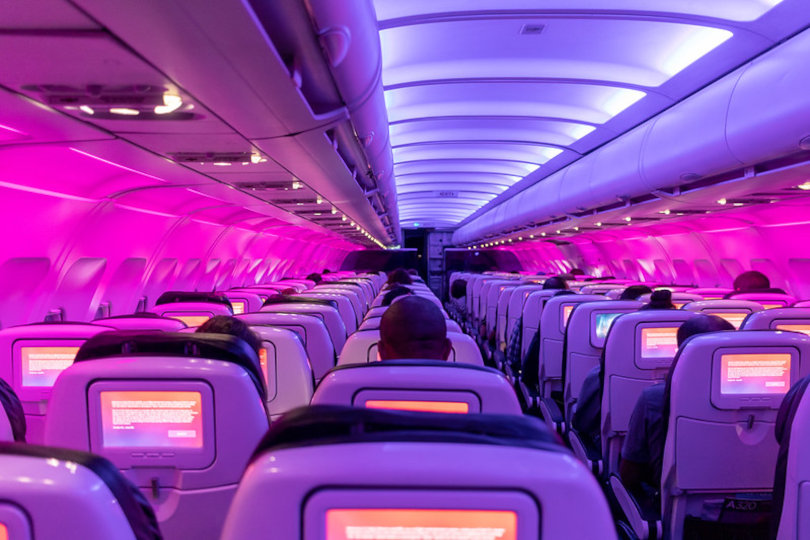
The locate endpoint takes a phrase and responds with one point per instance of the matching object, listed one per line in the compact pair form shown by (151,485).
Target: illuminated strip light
(457,407)
(47,192)
(117,165)
(145,211)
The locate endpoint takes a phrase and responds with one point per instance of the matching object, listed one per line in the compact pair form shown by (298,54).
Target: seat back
(767,300)
(192,313)
(243,301)
(443,477)
(789,319)
(354,288)
(793,522)
(734,311)
(726,389)
(33,356)
(488,300)
(497,300)
(710,293)
(373,323)
(262,293)
(802,303)
(361,347)
(285,366)
(178,414)
(553,322)
(354,294)
(310,329)
(585,336)
(142,321)
(638,352)
(679,299)
(514,309)
(69,495)
(419,385)
(329,315)
(344,306)
(532,311)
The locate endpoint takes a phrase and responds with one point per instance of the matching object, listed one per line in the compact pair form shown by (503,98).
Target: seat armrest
(581,451)
(552,414)
(644,526)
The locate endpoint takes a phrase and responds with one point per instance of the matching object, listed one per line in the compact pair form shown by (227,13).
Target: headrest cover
(290,299)
(136,508)
(416,363)
(14,410)
(156,343)
(172,297)
(333,424)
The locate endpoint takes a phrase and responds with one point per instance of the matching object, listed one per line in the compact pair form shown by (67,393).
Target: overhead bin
(759,112)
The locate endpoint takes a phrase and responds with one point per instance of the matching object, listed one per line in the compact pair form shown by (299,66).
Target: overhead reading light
(598,223)
(124,111)
(319,200)
(296,184)
(542,234)
(722,201)
(343,218)
(86,109)
(222,163)
(628,219)
(665,212)
(171,102)
(805,186)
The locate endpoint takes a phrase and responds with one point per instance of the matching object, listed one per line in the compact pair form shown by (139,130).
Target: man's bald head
(413,327)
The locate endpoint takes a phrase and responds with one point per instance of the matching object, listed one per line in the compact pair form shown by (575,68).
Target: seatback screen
(735,319)
(415,524)
(3,532)
(566,314)
(40,366)
(659,342)
(759,373)
(603,323)
(151,419)
(238,306)
(803,328)
(458,407)
(189,319)
(263,362)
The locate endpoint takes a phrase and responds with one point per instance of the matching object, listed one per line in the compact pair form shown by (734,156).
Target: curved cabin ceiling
(485,98)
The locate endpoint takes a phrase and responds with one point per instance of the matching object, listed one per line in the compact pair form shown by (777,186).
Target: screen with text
(238,306)
(149,419)
(803,328)
(42,365)
(383,523)
(767,373)
(659,342)
(566,314)
(735,319)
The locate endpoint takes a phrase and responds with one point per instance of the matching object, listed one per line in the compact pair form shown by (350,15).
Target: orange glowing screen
(458,407)
(803,328)
(263,361)
(192,320)
(353,524)
(3,532)
(679,305)
(735,319)
(567,313)
(770,306)
(42,365)
(238,306)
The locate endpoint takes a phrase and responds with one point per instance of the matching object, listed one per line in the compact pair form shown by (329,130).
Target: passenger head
(400,276)
(555,282)
(413,271)
(289,291)
(316,277)
(413,327)
(577,272)
(633,292)
(326,271)
(661,299)
(395,293)
(751,281)
(458,289)
(224,324)
(563,292)
(702,324)
(14,411)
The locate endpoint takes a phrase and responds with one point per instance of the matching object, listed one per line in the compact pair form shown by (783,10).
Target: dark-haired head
(660,299)
(399,276)
(316,277)
(751,281)
(702,324)
(413,327)
(633,292)
(555,282)
(458,289)
(395,293)
(225,324)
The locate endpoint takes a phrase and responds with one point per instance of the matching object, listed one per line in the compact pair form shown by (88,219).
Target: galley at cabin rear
(300,166)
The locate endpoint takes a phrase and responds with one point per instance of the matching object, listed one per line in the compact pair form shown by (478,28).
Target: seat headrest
(289,299)
(136,508)
(418,363)
(139,315)
(156,343)
(333,424)
(172,297)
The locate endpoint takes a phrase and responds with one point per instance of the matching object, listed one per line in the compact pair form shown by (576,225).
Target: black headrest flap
(136,508)
(172,297)
(332,424)
(290,299)
(156,343)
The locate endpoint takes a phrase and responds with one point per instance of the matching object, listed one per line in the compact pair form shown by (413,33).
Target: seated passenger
(587,417)
(223,324)
(458,295)
(633,292)
(413,328)
(643,448)
(316,277)
(394,293)
(530,364)
(400,276)
(14,411)
(753,282)
(555,282)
